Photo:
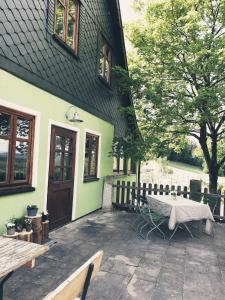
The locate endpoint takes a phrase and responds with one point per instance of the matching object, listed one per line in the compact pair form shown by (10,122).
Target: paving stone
(138,289)
(201,267)
(152,258)
(165,293)
(149,273)
(107,286)
(121,264)
(203,286)
(187,269)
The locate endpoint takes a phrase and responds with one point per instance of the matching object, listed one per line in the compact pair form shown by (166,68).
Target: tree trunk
(211,160)
(213,167)
(213,180)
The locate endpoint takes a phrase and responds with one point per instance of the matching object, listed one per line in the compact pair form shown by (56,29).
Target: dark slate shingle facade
(29,50)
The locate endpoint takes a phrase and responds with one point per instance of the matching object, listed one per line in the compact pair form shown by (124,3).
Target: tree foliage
(178,77)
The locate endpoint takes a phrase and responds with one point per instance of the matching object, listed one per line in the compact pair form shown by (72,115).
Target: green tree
(178,75)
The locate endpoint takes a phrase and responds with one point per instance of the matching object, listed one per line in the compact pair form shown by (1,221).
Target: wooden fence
(123,194)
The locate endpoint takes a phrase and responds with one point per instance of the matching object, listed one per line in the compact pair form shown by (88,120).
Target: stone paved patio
(132,268)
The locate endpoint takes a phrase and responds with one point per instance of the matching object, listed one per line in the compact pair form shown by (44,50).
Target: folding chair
(139,202)
(78,282)
(212,201)
(153,220)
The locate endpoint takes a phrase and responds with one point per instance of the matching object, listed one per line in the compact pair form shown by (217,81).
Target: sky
(128,15)
(127,12)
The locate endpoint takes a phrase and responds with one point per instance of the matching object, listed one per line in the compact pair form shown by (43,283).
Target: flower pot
(44,218)
(11,231)
(28,228)
(32,211)
(19,227)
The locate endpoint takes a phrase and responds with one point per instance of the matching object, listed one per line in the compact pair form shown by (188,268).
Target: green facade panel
(48,109)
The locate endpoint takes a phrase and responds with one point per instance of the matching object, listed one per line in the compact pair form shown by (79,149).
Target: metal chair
(212,201)
(153,220)
(139,206)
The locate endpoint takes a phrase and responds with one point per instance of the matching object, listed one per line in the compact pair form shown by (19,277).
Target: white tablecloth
(181,210)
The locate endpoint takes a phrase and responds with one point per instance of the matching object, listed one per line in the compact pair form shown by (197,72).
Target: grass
(185,167)
(174,173)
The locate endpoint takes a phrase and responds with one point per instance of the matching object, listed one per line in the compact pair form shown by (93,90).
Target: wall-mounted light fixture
(72,115)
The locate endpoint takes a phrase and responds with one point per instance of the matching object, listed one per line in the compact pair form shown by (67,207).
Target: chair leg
(142,227)
(188,229)
(134,222)
(179,225)
(175,230)
(155,227)
(140,224)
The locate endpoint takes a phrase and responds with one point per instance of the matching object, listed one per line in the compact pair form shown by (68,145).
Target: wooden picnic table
(15,254)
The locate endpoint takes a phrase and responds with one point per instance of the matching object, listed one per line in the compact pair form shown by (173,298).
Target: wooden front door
(61,176)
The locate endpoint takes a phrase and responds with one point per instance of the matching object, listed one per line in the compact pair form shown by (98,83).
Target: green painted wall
(17,93)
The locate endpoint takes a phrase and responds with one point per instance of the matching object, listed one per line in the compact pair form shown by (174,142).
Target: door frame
(77,130)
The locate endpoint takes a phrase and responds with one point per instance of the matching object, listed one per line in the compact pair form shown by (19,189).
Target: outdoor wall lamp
(72,115)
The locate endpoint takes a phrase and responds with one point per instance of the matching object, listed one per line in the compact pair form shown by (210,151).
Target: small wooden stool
(37,228)
(26,236)
(45,230)
(12,236)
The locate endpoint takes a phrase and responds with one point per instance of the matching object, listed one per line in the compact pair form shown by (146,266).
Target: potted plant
(28,224)
(44,216)
(10,228)
(19,224)
(32,210)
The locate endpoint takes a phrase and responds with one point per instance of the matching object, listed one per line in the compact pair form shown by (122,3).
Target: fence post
(185,192)
(139,188)
(161,188)
(178,190)
(167,188)
(155,189)
(144,189)
(195,190)
(150,189)
(118,192)
(108,193)
(123,192)
(133,191)
(128,193)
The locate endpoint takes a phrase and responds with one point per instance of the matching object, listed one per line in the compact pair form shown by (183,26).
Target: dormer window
(105,65)
(67,22)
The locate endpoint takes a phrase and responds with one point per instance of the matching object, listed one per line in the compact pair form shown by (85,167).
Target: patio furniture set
(153,211)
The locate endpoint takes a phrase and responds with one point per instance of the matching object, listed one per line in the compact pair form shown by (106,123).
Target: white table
(181,210)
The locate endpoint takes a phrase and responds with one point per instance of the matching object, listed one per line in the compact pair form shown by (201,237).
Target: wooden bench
(78,282)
